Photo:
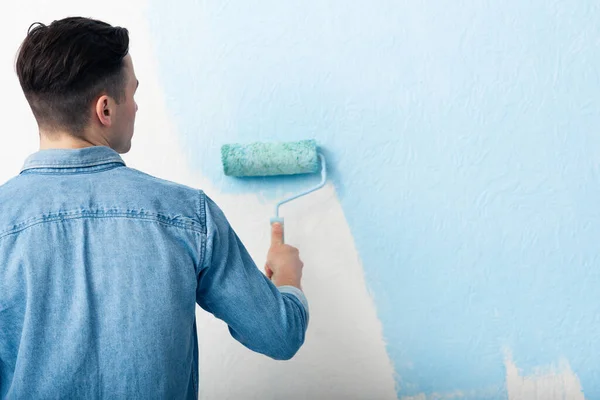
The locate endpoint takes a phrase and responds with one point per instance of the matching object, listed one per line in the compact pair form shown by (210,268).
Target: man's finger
(268,272)
(276,234)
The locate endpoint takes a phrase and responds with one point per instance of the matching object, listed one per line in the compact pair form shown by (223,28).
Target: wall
(452,254)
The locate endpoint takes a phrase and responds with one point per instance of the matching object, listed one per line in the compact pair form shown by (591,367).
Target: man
(101,265)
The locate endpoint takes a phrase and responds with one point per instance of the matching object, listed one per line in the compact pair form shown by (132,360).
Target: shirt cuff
(294,291)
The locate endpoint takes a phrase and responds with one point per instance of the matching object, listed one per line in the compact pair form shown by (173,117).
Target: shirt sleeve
(266,319)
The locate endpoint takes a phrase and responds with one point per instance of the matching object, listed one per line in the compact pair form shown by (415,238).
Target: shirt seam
(99,161)
(203,228)
(159,218)
(91,171)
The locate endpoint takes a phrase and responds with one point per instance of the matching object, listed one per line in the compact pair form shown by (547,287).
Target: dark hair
(65,66)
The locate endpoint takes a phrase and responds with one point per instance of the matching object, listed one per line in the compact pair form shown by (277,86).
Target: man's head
(79,81)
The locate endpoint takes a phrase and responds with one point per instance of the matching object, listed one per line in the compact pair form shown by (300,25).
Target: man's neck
(60,140)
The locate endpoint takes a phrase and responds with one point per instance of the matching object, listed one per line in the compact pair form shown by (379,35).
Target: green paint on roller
(266,159)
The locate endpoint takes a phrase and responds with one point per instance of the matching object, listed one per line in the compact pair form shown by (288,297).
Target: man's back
(100,269)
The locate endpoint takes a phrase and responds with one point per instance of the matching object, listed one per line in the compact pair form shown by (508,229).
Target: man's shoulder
(160,183)
(14,199)
(8,190)
(165,194)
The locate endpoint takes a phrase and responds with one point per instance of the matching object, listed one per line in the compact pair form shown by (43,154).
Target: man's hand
(284,266)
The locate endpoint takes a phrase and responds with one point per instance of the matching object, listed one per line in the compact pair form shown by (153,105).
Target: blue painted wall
(464,144)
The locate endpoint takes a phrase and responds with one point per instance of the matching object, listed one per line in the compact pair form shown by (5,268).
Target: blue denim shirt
(101,267)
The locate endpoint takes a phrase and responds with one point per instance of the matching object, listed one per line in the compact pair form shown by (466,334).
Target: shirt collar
(72,158)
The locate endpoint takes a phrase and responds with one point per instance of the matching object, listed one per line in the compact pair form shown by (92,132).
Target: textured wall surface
(453,254)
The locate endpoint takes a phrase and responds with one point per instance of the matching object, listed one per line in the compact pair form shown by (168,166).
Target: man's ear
(104,110)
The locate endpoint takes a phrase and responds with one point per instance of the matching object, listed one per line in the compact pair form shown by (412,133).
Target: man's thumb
(276,234)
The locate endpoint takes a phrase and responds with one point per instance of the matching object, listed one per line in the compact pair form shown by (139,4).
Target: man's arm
(267,319)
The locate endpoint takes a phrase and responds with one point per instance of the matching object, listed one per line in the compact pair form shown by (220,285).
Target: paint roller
(270,159)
